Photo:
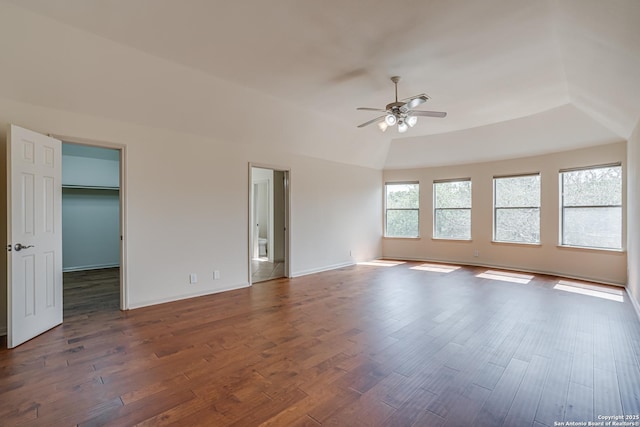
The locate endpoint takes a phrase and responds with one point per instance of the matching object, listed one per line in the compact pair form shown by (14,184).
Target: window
(402,203)
(516,209)
(452,209)
(592,207)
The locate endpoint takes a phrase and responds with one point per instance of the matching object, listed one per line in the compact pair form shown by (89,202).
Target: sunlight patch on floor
(437,268)
(381,263)
(603,292)
(506,276)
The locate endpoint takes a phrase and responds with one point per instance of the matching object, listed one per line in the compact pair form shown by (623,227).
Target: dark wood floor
(366,345)
(90,292)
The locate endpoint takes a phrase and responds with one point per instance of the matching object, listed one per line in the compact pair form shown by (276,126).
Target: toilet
(262,247)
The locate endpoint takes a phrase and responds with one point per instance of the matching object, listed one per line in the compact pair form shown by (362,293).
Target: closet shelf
(90,187)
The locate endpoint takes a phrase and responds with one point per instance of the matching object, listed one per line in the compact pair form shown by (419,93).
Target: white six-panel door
(34,173)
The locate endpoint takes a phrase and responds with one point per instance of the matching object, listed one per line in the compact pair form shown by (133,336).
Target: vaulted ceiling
(508,72)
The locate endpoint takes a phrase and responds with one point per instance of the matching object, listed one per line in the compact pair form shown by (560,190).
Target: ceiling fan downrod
(395,80)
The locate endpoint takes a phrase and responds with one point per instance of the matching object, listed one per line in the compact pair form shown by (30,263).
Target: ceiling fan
(401,112)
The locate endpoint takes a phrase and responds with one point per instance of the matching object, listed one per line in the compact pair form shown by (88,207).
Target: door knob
(19,246)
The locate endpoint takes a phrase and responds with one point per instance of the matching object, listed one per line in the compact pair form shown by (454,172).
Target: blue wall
(90,208)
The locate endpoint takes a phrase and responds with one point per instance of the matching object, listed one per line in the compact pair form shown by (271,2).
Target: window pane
(593,227)
(402,196)
(592,187)
(518,225)
(518,191)
(402,223)
(453,224)
(455,194)
(402,202)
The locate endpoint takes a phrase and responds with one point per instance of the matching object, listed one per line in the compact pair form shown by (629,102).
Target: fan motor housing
(398,109)
(395,105)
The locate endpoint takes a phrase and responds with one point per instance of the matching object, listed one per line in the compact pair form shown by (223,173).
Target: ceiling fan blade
(371,109)
(439,114)
(377,119)
(414,101)
(420,95)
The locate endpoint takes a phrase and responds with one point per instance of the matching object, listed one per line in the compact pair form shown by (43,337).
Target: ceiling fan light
(402,127)
(390,119)
(412,120)
(383,126)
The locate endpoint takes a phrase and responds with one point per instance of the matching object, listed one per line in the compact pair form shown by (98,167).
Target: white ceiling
(485,62)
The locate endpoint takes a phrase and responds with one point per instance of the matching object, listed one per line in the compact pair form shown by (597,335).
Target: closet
(90,207)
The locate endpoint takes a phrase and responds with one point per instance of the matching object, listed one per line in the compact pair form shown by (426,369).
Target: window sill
(401,238)
(585,248)
(442,239)
(501,242)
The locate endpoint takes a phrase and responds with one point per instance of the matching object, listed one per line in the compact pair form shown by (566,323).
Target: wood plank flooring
(91,291)
(370,345)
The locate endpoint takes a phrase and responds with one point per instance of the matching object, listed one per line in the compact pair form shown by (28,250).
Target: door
(34,234)
(279,216)
(254,220)
(275,208)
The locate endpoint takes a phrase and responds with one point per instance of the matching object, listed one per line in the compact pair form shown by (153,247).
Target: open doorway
(91,229)
(34,232)
(268,223)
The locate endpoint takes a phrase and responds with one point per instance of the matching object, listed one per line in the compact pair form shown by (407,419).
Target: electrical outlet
(476,253)
(193,278)
(216,274)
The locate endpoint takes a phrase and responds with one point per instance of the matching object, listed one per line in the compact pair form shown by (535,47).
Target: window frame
(496,208)
(436,209)
(387,209)
(562,207)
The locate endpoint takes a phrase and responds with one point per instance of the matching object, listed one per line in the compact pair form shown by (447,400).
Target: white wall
(187,205)
(336,211)
(548,257)
(633,203)
(187,154)
(61,67)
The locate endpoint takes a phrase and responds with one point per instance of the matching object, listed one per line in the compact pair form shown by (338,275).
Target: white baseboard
(89,267)
(148,303)
(185,296)
(634,303)
(321,269)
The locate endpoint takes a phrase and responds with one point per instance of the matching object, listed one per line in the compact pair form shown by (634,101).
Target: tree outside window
(452,209)
(402,208)
(592,207)
(516,216)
